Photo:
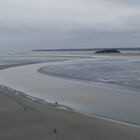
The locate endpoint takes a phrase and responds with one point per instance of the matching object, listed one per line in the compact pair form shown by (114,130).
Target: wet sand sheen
(89,99)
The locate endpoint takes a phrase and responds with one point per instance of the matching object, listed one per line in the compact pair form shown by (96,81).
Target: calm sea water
(116,102)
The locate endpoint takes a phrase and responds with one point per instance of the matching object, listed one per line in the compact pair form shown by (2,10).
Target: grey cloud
(68,23)
(66,14)
(132,2)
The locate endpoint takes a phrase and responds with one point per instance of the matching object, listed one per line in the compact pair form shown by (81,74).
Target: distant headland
(88,49)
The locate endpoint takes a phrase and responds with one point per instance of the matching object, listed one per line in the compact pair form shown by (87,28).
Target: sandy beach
(21,118)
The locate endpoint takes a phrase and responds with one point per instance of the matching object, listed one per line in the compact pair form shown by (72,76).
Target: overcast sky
(36,24)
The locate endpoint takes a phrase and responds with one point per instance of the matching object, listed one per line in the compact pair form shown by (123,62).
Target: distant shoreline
(88,49)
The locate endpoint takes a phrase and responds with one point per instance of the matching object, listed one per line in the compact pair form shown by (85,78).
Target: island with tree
(104,51)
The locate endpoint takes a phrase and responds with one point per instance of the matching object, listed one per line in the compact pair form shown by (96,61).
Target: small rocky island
(107,51)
